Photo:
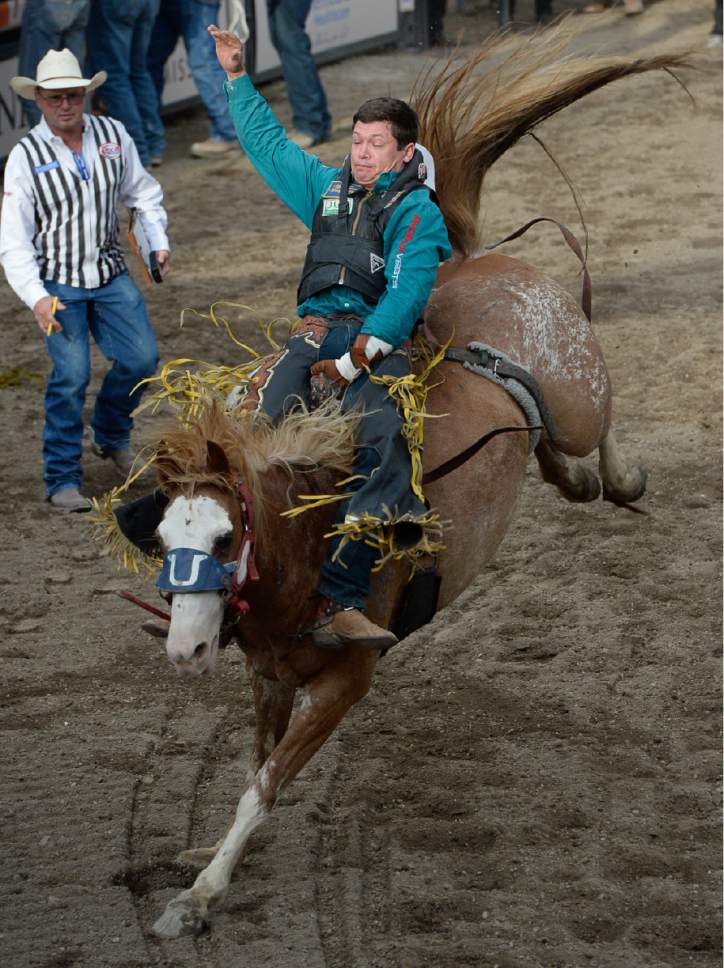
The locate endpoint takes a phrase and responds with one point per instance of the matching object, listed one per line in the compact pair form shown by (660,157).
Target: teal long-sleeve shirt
(415,239)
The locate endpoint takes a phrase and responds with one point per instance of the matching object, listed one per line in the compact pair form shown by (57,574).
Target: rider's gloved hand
(330,377)
(368,350)
(326,381)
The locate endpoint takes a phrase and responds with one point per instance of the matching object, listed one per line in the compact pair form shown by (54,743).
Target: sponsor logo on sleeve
(376,263)
(397,268)
(110,150)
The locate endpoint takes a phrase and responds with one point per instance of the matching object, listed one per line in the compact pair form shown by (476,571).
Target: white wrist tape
(346,368)
(374,344)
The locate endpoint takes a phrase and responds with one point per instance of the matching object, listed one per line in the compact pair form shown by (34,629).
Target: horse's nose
(194,662)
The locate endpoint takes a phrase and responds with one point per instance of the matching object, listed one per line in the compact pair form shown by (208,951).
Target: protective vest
(347,247)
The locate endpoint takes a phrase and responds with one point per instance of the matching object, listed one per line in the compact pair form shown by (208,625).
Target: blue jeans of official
(189,19)
(115,315)
(304,88)
(49,24)
(119,35)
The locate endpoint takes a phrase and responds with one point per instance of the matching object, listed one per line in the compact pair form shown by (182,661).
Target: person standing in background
(47,24)
(310,117)
(190,19)
(61,255)
(716,33)
(438,9)
(119,32)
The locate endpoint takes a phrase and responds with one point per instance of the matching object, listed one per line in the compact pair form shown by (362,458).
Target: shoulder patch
(109,150)
(334,189)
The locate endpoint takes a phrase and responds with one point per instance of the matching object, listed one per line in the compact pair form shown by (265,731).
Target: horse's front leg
(273,701)
(342,683)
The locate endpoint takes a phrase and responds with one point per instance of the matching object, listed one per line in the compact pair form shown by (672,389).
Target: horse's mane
(469,118)
(252,445)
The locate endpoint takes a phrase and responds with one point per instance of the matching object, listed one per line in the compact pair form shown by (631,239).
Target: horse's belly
(476,500)
(516,309)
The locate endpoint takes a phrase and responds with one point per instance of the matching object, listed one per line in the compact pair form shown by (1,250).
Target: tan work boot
(213,148)
(338,626)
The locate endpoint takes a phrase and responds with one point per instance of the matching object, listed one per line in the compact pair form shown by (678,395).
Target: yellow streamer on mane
(184,384)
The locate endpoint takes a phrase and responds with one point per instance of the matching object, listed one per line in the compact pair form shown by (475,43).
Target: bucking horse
(228,477)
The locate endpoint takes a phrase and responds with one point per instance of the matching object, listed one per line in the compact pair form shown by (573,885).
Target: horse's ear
(166,467)
(216,460)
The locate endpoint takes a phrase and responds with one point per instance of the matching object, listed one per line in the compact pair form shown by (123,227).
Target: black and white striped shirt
(59,217)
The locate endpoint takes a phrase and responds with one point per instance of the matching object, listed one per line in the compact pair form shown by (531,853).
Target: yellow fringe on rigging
(182,389)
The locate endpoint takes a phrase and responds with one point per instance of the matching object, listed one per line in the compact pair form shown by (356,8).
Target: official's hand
(163,261)
(43,312)
(229,51)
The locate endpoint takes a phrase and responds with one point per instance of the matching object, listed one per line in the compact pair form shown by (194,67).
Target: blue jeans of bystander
(115,315)
(189,19)
(304,88)
(49,24)
(120,32)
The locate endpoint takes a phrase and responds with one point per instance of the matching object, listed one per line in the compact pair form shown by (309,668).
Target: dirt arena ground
(533,781)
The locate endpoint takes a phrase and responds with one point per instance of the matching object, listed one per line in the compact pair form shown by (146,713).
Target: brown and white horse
(468,121)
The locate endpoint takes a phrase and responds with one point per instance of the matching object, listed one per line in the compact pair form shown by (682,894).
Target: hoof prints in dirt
(142,881)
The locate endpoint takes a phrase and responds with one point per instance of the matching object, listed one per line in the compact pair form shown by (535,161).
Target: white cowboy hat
(59,69)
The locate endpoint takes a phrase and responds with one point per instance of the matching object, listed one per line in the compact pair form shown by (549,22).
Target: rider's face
(374,151)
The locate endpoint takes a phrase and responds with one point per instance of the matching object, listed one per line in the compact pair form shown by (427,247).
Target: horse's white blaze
(194,522)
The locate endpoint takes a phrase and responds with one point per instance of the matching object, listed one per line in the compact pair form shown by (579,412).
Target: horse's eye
(222,544)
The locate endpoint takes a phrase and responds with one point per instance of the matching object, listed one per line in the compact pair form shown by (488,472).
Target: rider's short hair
(399,113)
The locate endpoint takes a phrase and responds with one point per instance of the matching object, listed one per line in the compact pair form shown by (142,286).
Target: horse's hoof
(199,857)
(585,487)
(628,490)
(181,917)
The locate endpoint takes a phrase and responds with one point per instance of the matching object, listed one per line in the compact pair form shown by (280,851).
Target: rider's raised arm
(416,242)
(297,177)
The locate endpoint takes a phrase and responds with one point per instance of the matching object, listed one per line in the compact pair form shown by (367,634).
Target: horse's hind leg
(572,478)
(622,482)
(273,701)
(330,694)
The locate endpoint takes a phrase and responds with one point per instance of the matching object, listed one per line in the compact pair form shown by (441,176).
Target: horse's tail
(469,118)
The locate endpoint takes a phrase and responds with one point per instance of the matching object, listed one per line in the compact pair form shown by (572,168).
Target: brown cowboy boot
(339,625)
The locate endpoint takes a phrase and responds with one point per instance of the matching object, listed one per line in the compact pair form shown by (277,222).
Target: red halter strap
(246,552)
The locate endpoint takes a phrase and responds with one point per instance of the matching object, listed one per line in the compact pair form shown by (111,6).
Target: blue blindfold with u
(191,570)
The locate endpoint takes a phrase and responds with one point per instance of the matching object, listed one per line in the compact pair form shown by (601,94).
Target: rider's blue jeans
(304,88)
(189,19)
(118,38)
(381,469)
(115,315)
(49,24)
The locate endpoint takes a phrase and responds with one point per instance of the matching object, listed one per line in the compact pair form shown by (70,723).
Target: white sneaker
(214,148)
(69,500)
(302,139)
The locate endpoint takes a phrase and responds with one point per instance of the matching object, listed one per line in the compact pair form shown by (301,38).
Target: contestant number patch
(330,206)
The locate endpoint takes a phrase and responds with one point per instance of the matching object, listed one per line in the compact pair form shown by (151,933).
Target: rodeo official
(59,249)
(377,239)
